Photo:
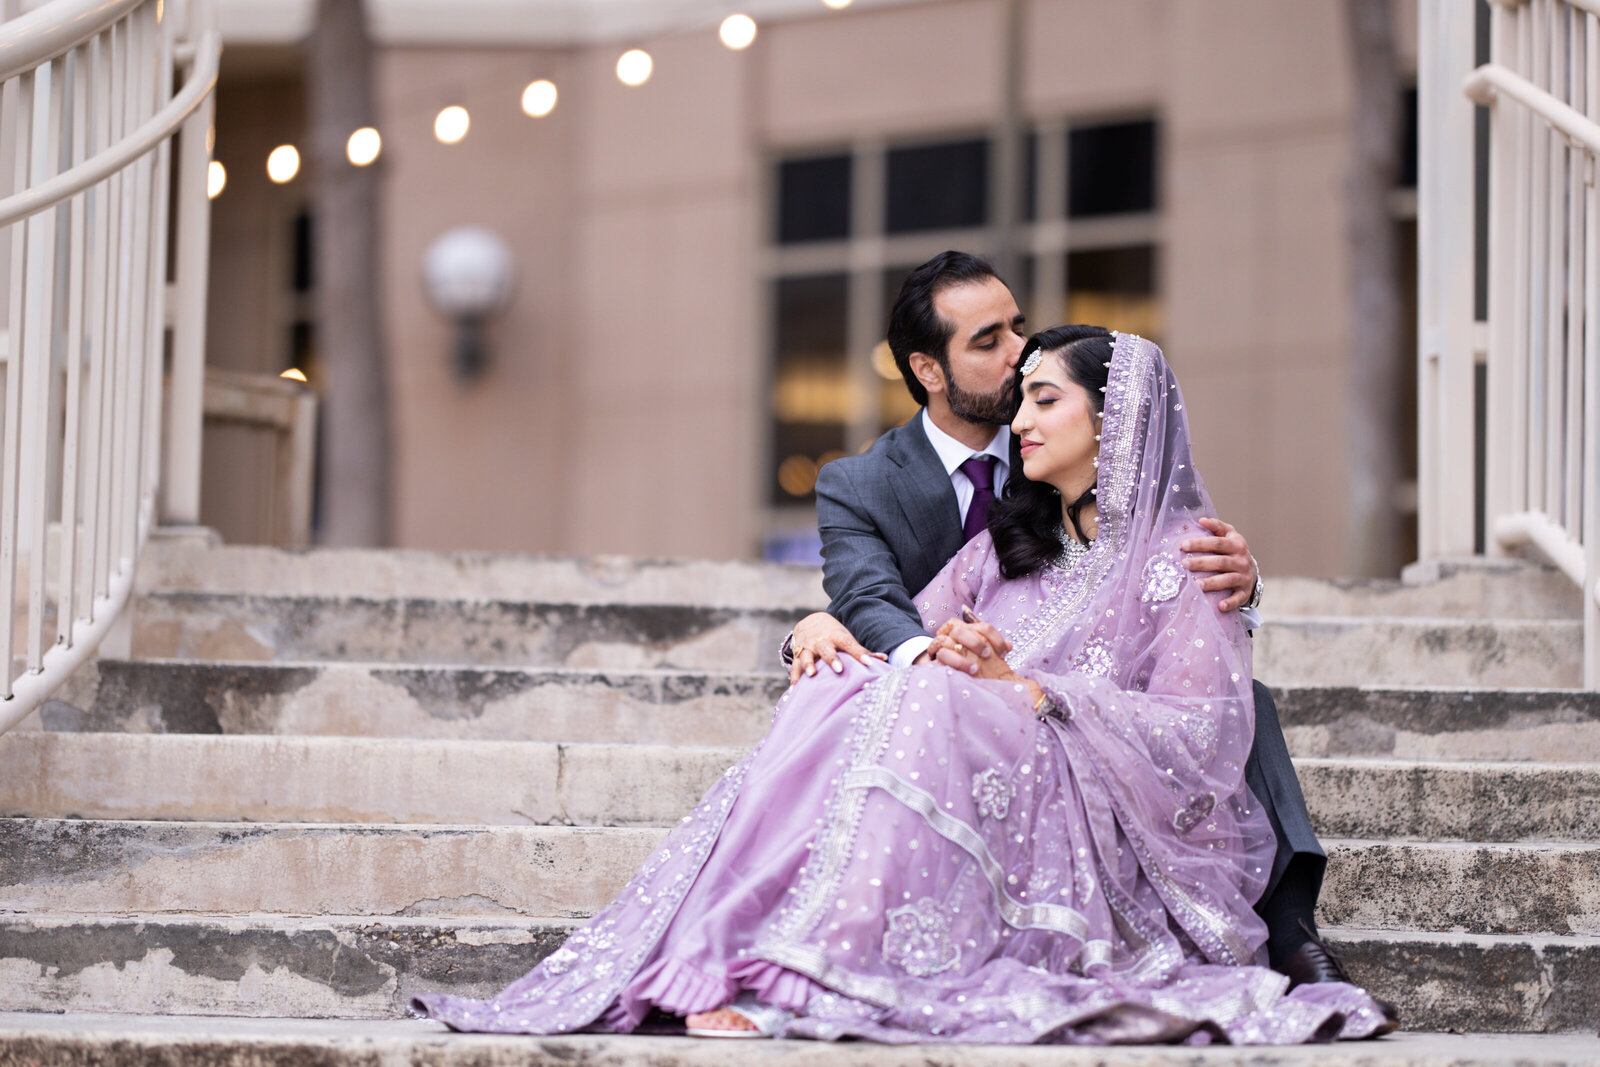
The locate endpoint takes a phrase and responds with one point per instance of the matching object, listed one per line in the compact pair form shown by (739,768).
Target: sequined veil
(912,855)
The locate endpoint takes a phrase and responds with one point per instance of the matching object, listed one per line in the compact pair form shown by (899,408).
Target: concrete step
(728,708)
(388,700)
(359,967)
(1449,723)
(1420,652)
(124,1041)
(264,778)
(1470,588)
(484,633)
(1326,650)
(109,867)
(198,566)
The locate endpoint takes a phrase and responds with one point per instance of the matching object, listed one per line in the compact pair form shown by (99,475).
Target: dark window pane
(1408,139)
(1113,169)
(937,187)
(813,199)
(811,400)
(1029,208)
(1115,288)
(301,259)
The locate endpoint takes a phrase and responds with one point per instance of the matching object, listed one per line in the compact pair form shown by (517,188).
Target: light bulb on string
(737,31)
(837,5)
(634,67)
(363,146)
(451,124)
(539,98)
(216,180)
(283,164)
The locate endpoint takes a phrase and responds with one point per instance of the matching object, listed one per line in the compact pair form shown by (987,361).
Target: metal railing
(89,103)
(1541,441)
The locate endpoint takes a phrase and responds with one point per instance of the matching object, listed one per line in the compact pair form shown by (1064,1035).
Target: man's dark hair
(914,323)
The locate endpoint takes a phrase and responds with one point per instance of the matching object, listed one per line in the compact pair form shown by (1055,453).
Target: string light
(451,124)
(294,374)
(363,146)
(634,67)
(539,98)
(216,180)
(737,31)
(837,5)
(283,164)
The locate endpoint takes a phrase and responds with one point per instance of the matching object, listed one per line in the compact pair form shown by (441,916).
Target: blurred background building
(701,264)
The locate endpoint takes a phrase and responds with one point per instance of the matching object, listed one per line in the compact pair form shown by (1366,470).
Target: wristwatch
(1255,594)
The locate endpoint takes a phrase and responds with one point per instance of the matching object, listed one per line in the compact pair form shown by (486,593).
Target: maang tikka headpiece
(1031,364)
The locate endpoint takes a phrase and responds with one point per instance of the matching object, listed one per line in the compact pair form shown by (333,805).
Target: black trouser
(1271,777)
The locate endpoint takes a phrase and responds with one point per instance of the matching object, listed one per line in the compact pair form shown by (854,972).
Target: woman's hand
(820,636)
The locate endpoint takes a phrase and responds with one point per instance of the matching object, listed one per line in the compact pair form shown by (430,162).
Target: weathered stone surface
(208,626)
(1440,722)
(1431,652)
(351,780)
(115,1041)
(405,573)
(303,968)
(1494,889)
(467,703)
(106,867)
(1469,801)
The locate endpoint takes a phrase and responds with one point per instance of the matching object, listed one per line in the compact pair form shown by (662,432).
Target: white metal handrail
(89,104)
(1542,433)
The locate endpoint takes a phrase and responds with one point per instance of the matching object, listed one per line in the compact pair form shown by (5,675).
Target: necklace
(1072,550)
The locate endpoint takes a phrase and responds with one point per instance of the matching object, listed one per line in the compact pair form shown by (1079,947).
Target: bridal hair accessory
(1031,364)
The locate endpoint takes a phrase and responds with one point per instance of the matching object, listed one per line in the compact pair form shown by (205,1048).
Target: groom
(891,517)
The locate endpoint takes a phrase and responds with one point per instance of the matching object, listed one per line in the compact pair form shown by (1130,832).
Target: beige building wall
(625,409)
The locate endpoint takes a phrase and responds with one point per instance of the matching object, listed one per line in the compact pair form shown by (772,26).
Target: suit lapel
(924,493)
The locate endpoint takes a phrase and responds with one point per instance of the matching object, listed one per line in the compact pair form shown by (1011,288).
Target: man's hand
(1229,557)
(820,636)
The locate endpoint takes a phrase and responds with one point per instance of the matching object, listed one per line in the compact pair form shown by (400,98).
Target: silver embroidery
(992,793)
(1095,658)
(1083,879)
(917,939)
(1196,808)
(1162,579)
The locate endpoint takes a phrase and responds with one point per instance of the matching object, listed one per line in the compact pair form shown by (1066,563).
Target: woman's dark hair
(1024,521)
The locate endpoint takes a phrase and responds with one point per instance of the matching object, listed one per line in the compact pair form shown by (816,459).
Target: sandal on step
(766,1019)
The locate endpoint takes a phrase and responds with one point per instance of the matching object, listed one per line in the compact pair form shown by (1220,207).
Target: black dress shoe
(1316,962)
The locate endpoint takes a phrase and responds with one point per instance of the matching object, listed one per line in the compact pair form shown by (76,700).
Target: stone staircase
(318,783)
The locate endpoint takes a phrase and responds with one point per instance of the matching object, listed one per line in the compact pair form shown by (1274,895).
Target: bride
(1060,849)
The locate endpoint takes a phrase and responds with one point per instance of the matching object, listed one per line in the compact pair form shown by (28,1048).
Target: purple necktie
(980,472)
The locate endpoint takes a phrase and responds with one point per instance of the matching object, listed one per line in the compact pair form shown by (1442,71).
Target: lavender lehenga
(912,855)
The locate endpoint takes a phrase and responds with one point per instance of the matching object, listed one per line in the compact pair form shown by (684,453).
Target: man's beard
(988,409)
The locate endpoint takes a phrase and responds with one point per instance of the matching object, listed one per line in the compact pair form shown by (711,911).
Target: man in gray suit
(891,517)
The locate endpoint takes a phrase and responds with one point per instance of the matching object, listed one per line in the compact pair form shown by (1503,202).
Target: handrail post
(1446,364)
(180,497)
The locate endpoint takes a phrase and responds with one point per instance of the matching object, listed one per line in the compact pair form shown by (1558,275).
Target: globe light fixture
(216,180)
(283,164)
(737,31)
(634,67)
(539,98)
(451,124)
(363,146)
(468,273)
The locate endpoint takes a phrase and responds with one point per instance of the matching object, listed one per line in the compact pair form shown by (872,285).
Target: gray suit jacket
(889,522)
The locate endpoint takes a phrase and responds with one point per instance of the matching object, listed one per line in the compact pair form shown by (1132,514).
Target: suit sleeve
(859,571)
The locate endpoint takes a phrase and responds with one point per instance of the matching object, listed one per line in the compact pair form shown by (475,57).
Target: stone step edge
(182,1041)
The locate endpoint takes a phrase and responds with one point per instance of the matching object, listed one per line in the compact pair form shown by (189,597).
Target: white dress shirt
(953,454)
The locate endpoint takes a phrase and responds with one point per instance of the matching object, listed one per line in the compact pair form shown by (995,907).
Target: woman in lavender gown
(1059,849)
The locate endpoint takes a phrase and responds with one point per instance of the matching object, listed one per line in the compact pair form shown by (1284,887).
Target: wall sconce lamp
(468,273)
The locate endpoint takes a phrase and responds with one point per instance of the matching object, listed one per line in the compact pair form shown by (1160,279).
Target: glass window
(1112,169)
(1114,288)
(1408,139)
(814,199)
(937,187)
(811,384)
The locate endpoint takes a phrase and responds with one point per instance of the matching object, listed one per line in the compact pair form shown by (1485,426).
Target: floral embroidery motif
(1196,807)
(918,939)
(1162,579)
(1083,879)
(560,961)
(992,792)
(1095,658)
